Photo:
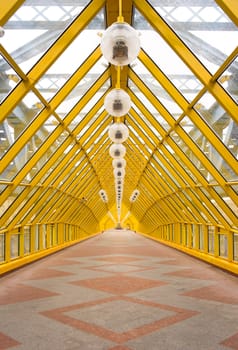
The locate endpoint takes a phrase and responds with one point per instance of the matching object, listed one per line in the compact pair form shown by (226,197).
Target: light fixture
(117,102)
(118,132)
(119,173)
(103,195)
(119,163)
(117,150)
(134,195)
(120,44)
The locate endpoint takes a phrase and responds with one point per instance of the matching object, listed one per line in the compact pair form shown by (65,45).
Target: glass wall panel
(235,240)
(223,246)
(201,237)
(20,207)
(27,239)
(35,229)
(211,235)
(2,247)
(11,198)
(43,236)
(216,206)
(15,245)
(228,201)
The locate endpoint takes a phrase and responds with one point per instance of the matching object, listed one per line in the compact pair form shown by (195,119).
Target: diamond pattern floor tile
(119,284)
(119,291)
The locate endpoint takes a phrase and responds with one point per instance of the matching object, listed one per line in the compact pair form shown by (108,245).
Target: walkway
(119,291)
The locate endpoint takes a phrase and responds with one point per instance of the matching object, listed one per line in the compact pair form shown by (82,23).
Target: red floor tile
(223,293)
(178,315)
(7,342)
(119,284)
(118,259)
(8,294)
(231,342)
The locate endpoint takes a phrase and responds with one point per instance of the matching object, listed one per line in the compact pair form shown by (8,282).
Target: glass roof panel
(166,59)
(82,87)
(19,119)
(69,62)
(229,80)
(148,105)
(190,154)
(201,28)
(219,121)
(157,89)
(33,28)
(8,78)
(29,150)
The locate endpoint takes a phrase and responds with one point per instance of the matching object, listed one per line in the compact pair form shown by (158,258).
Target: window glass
(33,29)
(155,87)
(15,245)
(201,28)
(223,246)
(235,240)
(219,121)
(27,239)
(211,234)
(2,247)
(8,78)
(229,78)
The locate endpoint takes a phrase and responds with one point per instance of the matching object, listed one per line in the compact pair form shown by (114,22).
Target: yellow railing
(210,243)
(25,244)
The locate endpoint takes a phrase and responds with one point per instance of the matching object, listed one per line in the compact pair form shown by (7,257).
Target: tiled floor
(119,291)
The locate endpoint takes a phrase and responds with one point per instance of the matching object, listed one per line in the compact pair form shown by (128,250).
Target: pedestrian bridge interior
(179,183)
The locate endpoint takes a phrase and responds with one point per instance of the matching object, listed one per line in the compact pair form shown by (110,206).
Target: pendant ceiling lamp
(118,132)
(120,43)
(119,163)
(117,102)
(117,150)
(119,173)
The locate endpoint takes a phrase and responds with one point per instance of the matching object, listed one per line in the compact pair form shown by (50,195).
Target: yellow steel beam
(188,57)
(184,136)
(8,8)
(230,7)
(50,56)
(51,139)
(187,108)
(56,100)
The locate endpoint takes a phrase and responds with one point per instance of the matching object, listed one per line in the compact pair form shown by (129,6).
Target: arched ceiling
(183,142)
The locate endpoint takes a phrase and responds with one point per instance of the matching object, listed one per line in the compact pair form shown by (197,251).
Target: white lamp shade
(118,132)
(117,150)
(119,163)
(117,102)
(118,173)
(120,44)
